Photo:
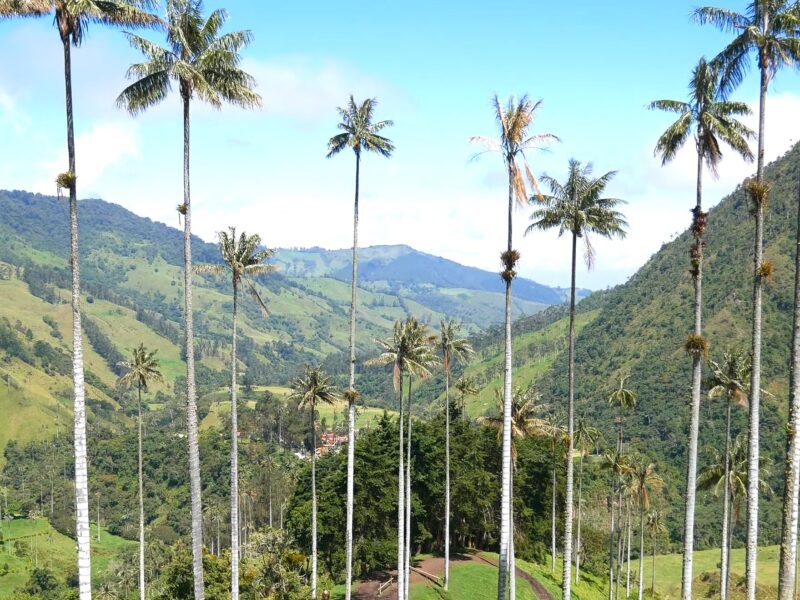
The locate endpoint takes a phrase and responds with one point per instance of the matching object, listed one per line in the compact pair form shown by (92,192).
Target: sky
(434,67)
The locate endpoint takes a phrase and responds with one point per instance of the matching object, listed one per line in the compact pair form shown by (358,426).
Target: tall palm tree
(587,438)
(359,132)
(242,260)
(655,527)
(515,120)
(312,388)
(141,370)
(711,119)
(770,29)
(625,400)
(205,64)
(466,385)
(525,422)
(452,348)
(406,353)
(646,481)
(576,206)
(734,471)
(619,465)
(729,380)
(72,19)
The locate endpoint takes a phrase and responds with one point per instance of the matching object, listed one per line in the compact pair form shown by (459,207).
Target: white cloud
(96,150)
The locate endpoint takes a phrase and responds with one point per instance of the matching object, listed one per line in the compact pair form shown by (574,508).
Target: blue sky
(434,67)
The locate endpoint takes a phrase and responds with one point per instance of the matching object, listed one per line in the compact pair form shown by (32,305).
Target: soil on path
(434,565)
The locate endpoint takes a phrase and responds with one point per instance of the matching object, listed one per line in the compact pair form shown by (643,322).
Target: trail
(368,589)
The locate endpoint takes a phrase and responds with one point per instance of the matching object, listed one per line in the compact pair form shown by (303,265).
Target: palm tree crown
(525,417)
(622,397)
(73,17)
(707,114)
(577,206)
(409,350)
(771,28)
(358,130)
(242,259)
(731,377)
(200,59)
(141,369)
(313,387)
(452,347)
(712,476)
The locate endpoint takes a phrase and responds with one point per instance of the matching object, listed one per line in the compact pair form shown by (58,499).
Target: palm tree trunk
(408,497)
(580,511)
(566,579)
(351,403)
(628,567)
(270,500)
(726,501)
(79,390)
(641,551)
(611,541)
(694,418)
(234,461)
(505,498)
(313,505)
(553,517)
(788,561)
(401,510)
(755,378)
(191,393)
(141,504)
(446,475)
(653,574)
(512,566)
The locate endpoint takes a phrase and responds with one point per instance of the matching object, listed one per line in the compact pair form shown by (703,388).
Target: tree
(734,471)
(711,118)
(587,438)
(242,260)
(205,64)
(359,132)
(515,120)
(770,29)
(729,380)
(624,399)
(466,386)
(312,388)
(655,527)
(646,481)
(452,348)
(141,370)
(72,19)
(578,207)
(618,464)
(406,353)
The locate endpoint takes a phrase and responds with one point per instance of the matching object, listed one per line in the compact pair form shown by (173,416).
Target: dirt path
(368,589)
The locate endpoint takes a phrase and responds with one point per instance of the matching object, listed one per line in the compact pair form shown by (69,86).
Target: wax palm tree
(655,527)
(466,386)
(242,261)
(769,29)
(711,119)
(404,355)
(359,132)
(525,422)
(646,481)
(140,371)
(619,465)
(423,350)
(515,120)
(579,208)
(734,471)
(313,388)
(587,438)
(204,63)
(72,19)
(730,380)
(453,349)
(625,400)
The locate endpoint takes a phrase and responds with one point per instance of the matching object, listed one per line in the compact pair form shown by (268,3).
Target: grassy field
(31,542)
(470,581)
(669,568)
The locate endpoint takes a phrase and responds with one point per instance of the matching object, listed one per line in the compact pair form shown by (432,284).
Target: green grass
(29,542)
(469,581)
(669,569)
